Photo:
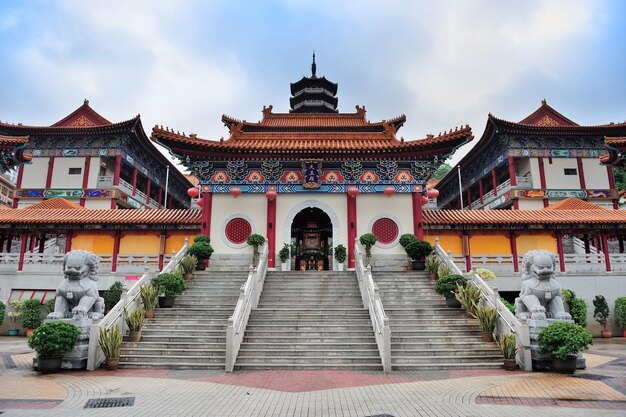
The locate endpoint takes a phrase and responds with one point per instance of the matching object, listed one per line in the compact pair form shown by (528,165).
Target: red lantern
(193,192)
(235,191)
(425,200)
(353,191)
(271,195)
(199,202)
(432,193)
(389,191)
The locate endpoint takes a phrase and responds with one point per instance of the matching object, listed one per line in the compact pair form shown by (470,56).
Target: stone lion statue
(540,292)
(77,295)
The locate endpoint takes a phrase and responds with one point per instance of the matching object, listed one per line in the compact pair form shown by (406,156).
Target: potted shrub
(340,256)
(620,314)
(468,296)
(170,285)
(110,342)
(406,238)
(417,251)
(563,340)
(432,263)
(2,309)
(31,316)
(368,240)
(488,318)
(51,341)
(485,274)
(447,286)
(578,311)
(283,254)
(508,346)
(202,250)
(134,321)
(188,265)
(601,313)
(15,315)
(113,295)
(149,297)
(255,240)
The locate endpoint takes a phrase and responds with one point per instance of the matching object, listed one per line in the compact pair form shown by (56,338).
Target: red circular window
(238,230)
(386,230)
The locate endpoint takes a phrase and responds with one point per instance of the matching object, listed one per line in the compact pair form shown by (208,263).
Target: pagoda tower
(313,94)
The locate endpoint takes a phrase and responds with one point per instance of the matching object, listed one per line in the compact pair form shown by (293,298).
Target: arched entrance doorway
(312,235)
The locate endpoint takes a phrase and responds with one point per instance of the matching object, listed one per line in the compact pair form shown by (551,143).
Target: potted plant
(340,256)
(170,285)
(447,286)
(149,297)
(110,342)
(283,254)
(563,340)
(578,311)
(51,341)
(188,265)
(113,295)
(134,321)
(468,296)
(15,315)
(404,241)
(202,250)
(255,240)
(601,314)
(443,270)
(417,250)
(368,240)
(2,309)
(485,274)
(508,346)
(488,318)
(432,263)
(620,314)
(31,316)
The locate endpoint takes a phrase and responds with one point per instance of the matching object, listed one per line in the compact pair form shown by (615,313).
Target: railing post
(230,341)
(386,354)
(524,353)
(94,347)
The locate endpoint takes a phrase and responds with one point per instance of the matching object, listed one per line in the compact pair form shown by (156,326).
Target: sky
(183,64)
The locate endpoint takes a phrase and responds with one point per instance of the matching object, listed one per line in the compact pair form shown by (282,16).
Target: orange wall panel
(96,243)
(175,241)
(490,244)
(139,243)
(449,242)
(526,243)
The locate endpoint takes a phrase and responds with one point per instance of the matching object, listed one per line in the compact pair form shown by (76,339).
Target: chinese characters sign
(311,171)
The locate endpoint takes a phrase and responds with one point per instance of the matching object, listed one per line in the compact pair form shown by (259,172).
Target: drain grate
(110,402)
(593,377)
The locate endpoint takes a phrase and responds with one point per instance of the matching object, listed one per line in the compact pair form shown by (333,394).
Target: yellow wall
(527,243)
(96,243)
(451,242)
(139,243)
(489,244)
(176,241)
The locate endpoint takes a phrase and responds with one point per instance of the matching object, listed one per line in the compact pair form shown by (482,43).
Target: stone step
(307,328)
(287,359)
(191,346)
(446,366)
(315,366)
(436,354)
(306,353)
(184,339)
(309,346)
(398,360)
(323,340)
(172,352)
(260,321)
(158,359)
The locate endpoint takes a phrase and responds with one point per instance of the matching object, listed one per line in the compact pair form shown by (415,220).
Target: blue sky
(185,63)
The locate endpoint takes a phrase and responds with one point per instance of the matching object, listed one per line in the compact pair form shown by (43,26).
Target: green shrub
(188,264)
(619,312)
(110,341)
(407,238)
(3,307)
(201,250)
(112,295)
(508,305)
(255,240)
(15,315)
(283,254)
(578,310)
(448,284)
(135,320)
(31,314)
(563,339)
(49,306)
(488,318)
(149,296)
(601,311)
(368,240)
(418,249)
(169,284)
(486,274)
(508,345)
(340,253)
(567,295)
(432,263)
(201,238)
(443,270)
(52,338)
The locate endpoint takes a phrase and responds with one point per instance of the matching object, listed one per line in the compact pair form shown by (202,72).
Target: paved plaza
(598,390)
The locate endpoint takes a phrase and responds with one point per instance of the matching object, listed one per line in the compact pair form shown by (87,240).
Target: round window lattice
(238,230)
(386,230)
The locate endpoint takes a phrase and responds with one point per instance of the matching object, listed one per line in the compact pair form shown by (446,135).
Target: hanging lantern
(193,192)
(353,191)
(389,191)
(432,193)
(271,195)
(199,202)
(235,191)
(425,200)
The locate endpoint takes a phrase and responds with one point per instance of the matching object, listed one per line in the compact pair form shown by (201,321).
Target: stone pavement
(598,390)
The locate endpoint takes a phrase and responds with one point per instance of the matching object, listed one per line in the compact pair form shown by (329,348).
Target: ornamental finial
(313,66)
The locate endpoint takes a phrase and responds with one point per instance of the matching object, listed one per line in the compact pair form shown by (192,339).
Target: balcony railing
(523,183)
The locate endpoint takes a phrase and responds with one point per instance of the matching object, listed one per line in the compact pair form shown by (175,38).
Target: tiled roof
(54,204)
(84,116)
(573,204)
(506,217)
(547,116)
(615,141)
(12,141)
(100,216)
(616,146)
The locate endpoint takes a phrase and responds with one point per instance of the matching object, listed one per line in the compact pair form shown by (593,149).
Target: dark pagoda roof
(313,94)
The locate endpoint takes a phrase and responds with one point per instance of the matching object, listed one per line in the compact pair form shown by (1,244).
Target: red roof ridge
(56,203)
(573,204)
(546,115)
(84,116)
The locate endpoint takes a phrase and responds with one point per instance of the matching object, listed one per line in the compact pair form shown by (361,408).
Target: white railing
(588,262)
(130,301)
(126,187)
(507,322)
(618,261)
(249,294)
(579,246)
(141,196)
(372,301)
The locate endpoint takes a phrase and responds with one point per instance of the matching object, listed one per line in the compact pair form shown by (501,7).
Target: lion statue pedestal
(77,302)
(540,302)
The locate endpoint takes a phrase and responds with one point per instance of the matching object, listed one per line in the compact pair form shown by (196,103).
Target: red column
(480,190)
(418,216)
(559,248)
(609,171)
(50,170)
(512,176)
(271,232)
(468,252)
(515,204)
(148,185)
(116,250)
(513,240)
(581,172)
(605,247)
(18,184)
(207,203)
(162,247)
(20,264)
(542,179)
(494,180)
(68,241)
(351,229)
(86,177)
(135,171)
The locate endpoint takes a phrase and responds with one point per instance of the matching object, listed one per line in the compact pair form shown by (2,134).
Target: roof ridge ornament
(313,66)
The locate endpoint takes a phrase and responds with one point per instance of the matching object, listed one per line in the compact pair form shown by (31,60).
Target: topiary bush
(340,253)
(619,312)
(448,284)
(49,306)
(368,240)
(601,310)
(55,337)
(112,295)
(283,254)
(418,249)
(407,238)
(255,240)
(563,339)
(170,285)
(578,310)
(31,314)
(201,238)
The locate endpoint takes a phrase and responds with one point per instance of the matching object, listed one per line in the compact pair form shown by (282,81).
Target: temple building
(537,162)
(95,163)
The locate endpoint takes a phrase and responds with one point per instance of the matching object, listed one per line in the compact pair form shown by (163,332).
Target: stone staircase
(192,334)
(425,333)
(309,320)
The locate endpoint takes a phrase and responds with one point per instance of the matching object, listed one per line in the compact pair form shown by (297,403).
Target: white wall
(532,204)
(398,207)
(534,172)
(97,203)
(555,177)
(35,173)
(596,175)
(60,173)
(252,206)
(94,170)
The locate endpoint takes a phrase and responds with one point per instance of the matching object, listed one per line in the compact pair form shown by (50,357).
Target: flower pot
(283,267)
(564,366)
(624,333)
(29,332)
(487,336)
(188,276)
(340,266)
(510,364)
(111,364)
(201,265)
(607,333)
(166,302)
(48,364)
(453,302)
(13,332)
(134,336)
(418,265)
(432,276)
(149,313)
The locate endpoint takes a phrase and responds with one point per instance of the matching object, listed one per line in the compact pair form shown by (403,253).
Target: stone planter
(111,364)
(607,333)
(564,366)
(510,364)
(453,302)
(283,267)
(13,332)
(166,302)
(418,265)
(48,364)
(201,265)
(487,337)
(134,336)
(339,266)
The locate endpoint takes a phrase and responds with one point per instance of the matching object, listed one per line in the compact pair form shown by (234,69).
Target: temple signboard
(311,171)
